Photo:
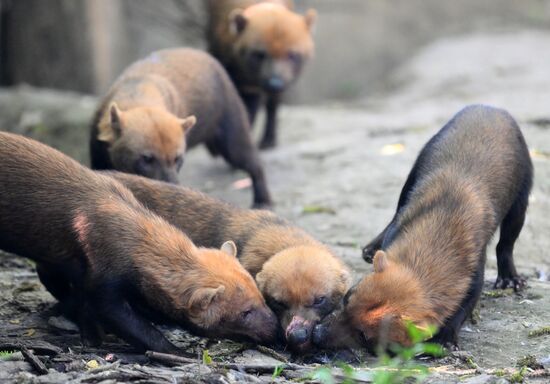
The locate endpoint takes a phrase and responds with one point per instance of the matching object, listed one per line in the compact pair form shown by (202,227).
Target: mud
(337,173)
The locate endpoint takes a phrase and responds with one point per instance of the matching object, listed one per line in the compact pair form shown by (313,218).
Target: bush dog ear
(380,261)
(237,22)
(203,297)
(261,281)
(230,248)
(111,130)
(116,119)
(188,123)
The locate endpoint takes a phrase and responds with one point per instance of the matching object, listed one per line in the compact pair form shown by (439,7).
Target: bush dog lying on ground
(300,278)
(471,177)
(144,123)
(98,249)
(263,45)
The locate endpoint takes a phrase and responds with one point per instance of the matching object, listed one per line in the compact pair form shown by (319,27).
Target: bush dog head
(231,304)
(378,309)
(272,43)
(202,287)
(148,141)
(302,285)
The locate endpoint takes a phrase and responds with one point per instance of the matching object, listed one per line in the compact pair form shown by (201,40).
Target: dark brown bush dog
(471,177)
(264,46)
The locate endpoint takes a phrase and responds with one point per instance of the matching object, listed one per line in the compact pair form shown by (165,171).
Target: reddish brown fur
(290,266)
(94,242)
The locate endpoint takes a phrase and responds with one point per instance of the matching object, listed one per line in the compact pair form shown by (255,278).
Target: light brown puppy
(171,100)
(301,279)
(110,261)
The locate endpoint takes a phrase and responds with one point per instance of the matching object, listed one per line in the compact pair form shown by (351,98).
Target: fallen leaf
(92,364)
(110,357)
(538,154)
(29,332)
(15,321)
(392,149)
(242,183)
(308,209)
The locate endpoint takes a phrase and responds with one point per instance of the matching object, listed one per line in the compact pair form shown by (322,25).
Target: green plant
(206,358)
(4,354)
(390,370)
(401,367)
(518,376)
(277,371)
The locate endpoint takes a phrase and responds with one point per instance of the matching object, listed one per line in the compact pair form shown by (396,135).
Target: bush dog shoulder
(97,246)
(264,46)
(471,177)
(300,278)
(173,99)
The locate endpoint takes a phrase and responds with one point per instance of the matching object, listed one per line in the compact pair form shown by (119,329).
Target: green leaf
(206,358)
(277,371)
(433,349)
(324,375)
(309,209)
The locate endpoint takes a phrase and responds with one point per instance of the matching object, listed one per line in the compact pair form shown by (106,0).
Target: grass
(540,332)
(6,354)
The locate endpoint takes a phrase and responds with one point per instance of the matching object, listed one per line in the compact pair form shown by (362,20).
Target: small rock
(62,323)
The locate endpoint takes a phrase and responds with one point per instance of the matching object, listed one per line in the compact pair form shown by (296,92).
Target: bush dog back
(471,177)
(111,261)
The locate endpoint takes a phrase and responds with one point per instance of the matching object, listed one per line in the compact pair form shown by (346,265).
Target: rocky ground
(337,173)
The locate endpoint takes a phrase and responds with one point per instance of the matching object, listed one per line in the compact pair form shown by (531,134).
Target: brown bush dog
(471,177)
(139,128)
(264,46)
(300,278)
(111,262)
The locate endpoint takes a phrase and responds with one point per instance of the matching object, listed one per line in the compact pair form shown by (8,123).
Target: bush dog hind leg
(510,229)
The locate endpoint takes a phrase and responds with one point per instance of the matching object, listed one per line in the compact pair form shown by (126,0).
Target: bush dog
(95,245)
(471,177)
(144,124)
(300,278)
(264,46)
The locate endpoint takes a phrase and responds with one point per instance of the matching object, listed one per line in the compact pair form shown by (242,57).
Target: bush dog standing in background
(300,278)
(471,177)
(94,243)
(263,45)
(138,127)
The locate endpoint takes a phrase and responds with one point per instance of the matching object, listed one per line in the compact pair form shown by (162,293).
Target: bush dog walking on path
(146,120)
(300,278)
(264,46)
(471,177)
(98,249)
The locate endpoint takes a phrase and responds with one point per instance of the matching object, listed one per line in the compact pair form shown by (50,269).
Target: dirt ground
(337,173)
